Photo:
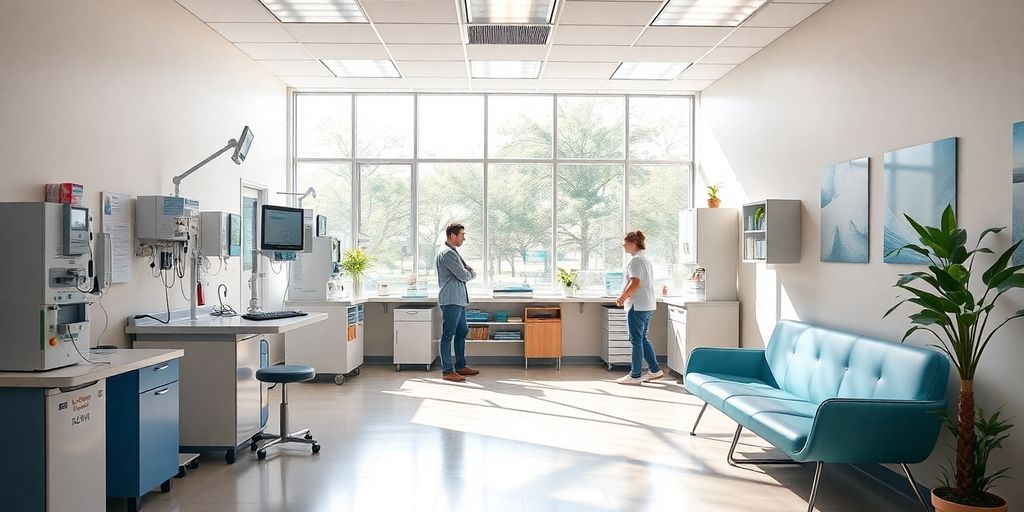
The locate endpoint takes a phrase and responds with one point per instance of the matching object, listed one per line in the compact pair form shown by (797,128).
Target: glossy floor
(508,440)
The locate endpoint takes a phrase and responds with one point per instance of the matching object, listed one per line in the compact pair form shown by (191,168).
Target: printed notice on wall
(117,218)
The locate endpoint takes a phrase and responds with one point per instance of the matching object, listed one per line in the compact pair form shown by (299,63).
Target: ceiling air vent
(508,34)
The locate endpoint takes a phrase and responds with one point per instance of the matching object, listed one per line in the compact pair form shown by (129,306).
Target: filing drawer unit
(615,346)
(142,431)
(414,341)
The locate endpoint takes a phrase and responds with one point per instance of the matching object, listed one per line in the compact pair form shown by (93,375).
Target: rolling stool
(283,375)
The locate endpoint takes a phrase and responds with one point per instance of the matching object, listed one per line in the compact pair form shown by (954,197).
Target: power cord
(80,354)
(167,301)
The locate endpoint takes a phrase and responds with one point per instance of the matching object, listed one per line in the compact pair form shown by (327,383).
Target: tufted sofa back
(816,364)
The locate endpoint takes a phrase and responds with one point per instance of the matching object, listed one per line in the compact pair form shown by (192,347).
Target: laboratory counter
(207,324)
(120,361)
(487,299)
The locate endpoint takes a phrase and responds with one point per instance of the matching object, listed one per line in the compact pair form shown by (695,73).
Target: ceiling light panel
(505,68)
(362,68)
(316,11)
(707,13)
(536,12)
(649,70)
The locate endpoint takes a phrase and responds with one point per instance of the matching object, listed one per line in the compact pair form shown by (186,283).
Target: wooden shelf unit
(543,337)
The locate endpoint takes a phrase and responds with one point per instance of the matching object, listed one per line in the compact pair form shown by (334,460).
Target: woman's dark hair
(454,229)
(638,238)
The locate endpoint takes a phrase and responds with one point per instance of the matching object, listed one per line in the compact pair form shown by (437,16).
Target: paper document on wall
(117,218)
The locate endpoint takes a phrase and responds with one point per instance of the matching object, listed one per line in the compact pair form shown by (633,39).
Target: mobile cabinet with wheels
(142,431)
(334,347)
(615,345)
(414,340)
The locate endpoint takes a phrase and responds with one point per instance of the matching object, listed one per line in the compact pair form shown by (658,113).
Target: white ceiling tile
(753,36)
(228,10)
(253,32)
(683,36)
(296,67)
(506,51)
(348,51)
(332,32)
(595,36)
(310,82)
(408,33)
(706,71)
(433,68)
(729,55)
(579,69)
(782,15)
(444,84)
(608,13)
(634,85)
(504,85)
(588,53)
(689,85)
(420,11)
(426,51)
(562,84)
(803,1)
(387,84)
(665,53)
(275,51)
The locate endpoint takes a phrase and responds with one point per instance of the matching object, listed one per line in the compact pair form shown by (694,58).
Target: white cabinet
(414,336)
(708,238)
(333,347)
(615,346)
(771,231)
(700,324)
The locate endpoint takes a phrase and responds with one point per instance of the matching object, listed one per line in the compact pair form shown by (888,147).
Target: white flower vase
(357,286)
(569,291)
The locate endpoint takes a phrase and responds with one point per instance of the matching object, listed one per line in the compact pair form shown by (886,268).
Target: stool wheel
(309,435)
(253,447)
(261,455)
(316,448)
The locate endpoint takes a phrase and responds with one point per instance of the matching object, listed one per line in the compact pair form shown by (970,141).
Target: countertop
(121,361)
(486,299)
(206,324)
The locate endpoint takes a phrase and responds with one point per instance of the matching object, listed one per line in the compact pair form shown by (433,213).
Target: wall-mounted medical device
(220,234)
(163,219)
(43,307)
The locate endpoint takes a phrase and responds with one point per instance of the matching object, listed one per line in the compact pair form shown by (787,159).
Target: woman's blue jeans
(453,331)
(638,322)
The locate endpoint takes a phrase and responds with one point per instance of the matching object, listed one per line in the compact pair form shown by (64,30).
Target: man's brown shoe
(467,371)
(453,377)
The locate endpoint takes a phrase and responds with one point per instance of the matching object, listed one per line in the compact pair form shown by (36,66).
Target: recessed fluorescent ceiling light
(707,13)
(537,12)
(505,68)
(362,68)
(316,11)
(649,70)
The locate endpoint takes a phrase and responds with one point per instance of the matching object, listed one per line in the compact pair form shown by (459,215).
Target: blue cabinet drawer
(158,436)
(157,375)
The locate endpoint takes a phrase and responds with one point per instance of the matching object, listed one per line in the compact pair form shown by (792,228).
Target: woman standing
(638,299)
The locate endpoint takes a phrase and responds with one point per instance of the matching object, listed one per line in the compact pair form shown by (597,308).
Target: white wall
(859,78)
(120,96)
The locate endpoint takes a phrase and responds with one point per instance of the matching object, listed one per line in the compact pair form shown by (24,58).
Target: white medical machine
(310,273)
(47,275)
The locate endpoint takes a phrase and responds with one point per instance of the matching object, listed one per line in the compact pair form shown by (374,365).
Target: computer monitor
(281,228)
(242,147)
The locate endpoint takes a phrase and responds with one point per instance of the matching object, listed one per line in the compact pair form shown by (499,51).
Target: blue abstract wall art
(919,181)
(844,212)
(1018,190)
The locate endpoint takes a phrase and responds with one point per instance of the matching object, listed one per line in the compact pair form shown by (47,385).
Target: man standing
(452,275)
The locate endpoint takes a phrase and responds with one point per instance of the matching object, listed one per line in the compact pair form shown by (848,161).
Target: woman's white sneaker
(629,379)
(652,376)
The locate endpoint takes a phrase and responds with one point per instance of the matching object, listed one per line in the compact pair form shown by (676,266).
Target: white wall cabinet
(707,238)
(771,231)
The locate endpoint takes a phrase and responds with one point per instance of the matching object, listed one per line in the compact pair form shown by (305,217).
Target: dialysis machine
(46,278)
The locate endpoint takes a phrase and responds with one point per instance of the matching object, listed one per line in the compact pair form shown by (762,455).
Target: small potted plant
(958,319)
(355,263)
(713,199)
(759,218)
(570,280)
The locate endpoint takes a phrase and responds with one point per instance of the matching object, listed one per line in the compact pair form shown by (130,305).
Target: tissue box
(64,193)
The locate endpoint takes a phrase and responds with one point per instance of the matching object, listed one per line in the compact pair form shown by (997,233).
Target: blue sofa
(820,395)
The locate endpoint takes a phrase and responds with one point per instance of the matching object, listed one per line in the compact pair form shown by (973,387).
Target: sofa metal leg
(913,485)
(693,431)
(814,487)
(735,462)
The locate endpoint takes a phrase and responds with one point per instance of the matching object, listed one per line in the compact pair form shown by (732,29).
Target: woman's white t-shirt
(641,268)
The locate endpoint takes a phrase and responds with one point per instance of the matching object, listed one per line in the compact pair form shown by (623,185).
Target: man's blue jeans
(638,322)
(453,328)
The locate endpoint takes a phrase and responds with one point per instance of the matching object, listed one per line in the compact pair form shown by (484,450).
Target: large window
(540,181)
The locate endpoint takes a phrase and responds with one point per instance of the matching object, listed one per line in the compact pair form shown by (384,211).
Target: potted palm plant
(713,199)
(570,280)
(945,307)
(355,263)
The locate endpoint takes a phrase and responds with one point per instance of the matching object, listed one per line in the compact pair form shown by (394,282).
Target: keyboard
(273,315)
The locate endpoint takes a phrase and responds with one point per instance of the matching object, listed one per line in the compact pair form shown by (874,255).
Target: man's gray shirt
(452,277)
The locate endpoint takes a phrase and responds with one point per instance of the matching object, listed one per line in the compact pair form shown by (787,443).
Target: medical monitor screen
(281,229)
(242,147)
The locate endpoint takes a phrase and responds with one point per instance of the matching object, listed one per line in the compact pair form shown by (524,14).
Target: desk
(58,432)
(222,404)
